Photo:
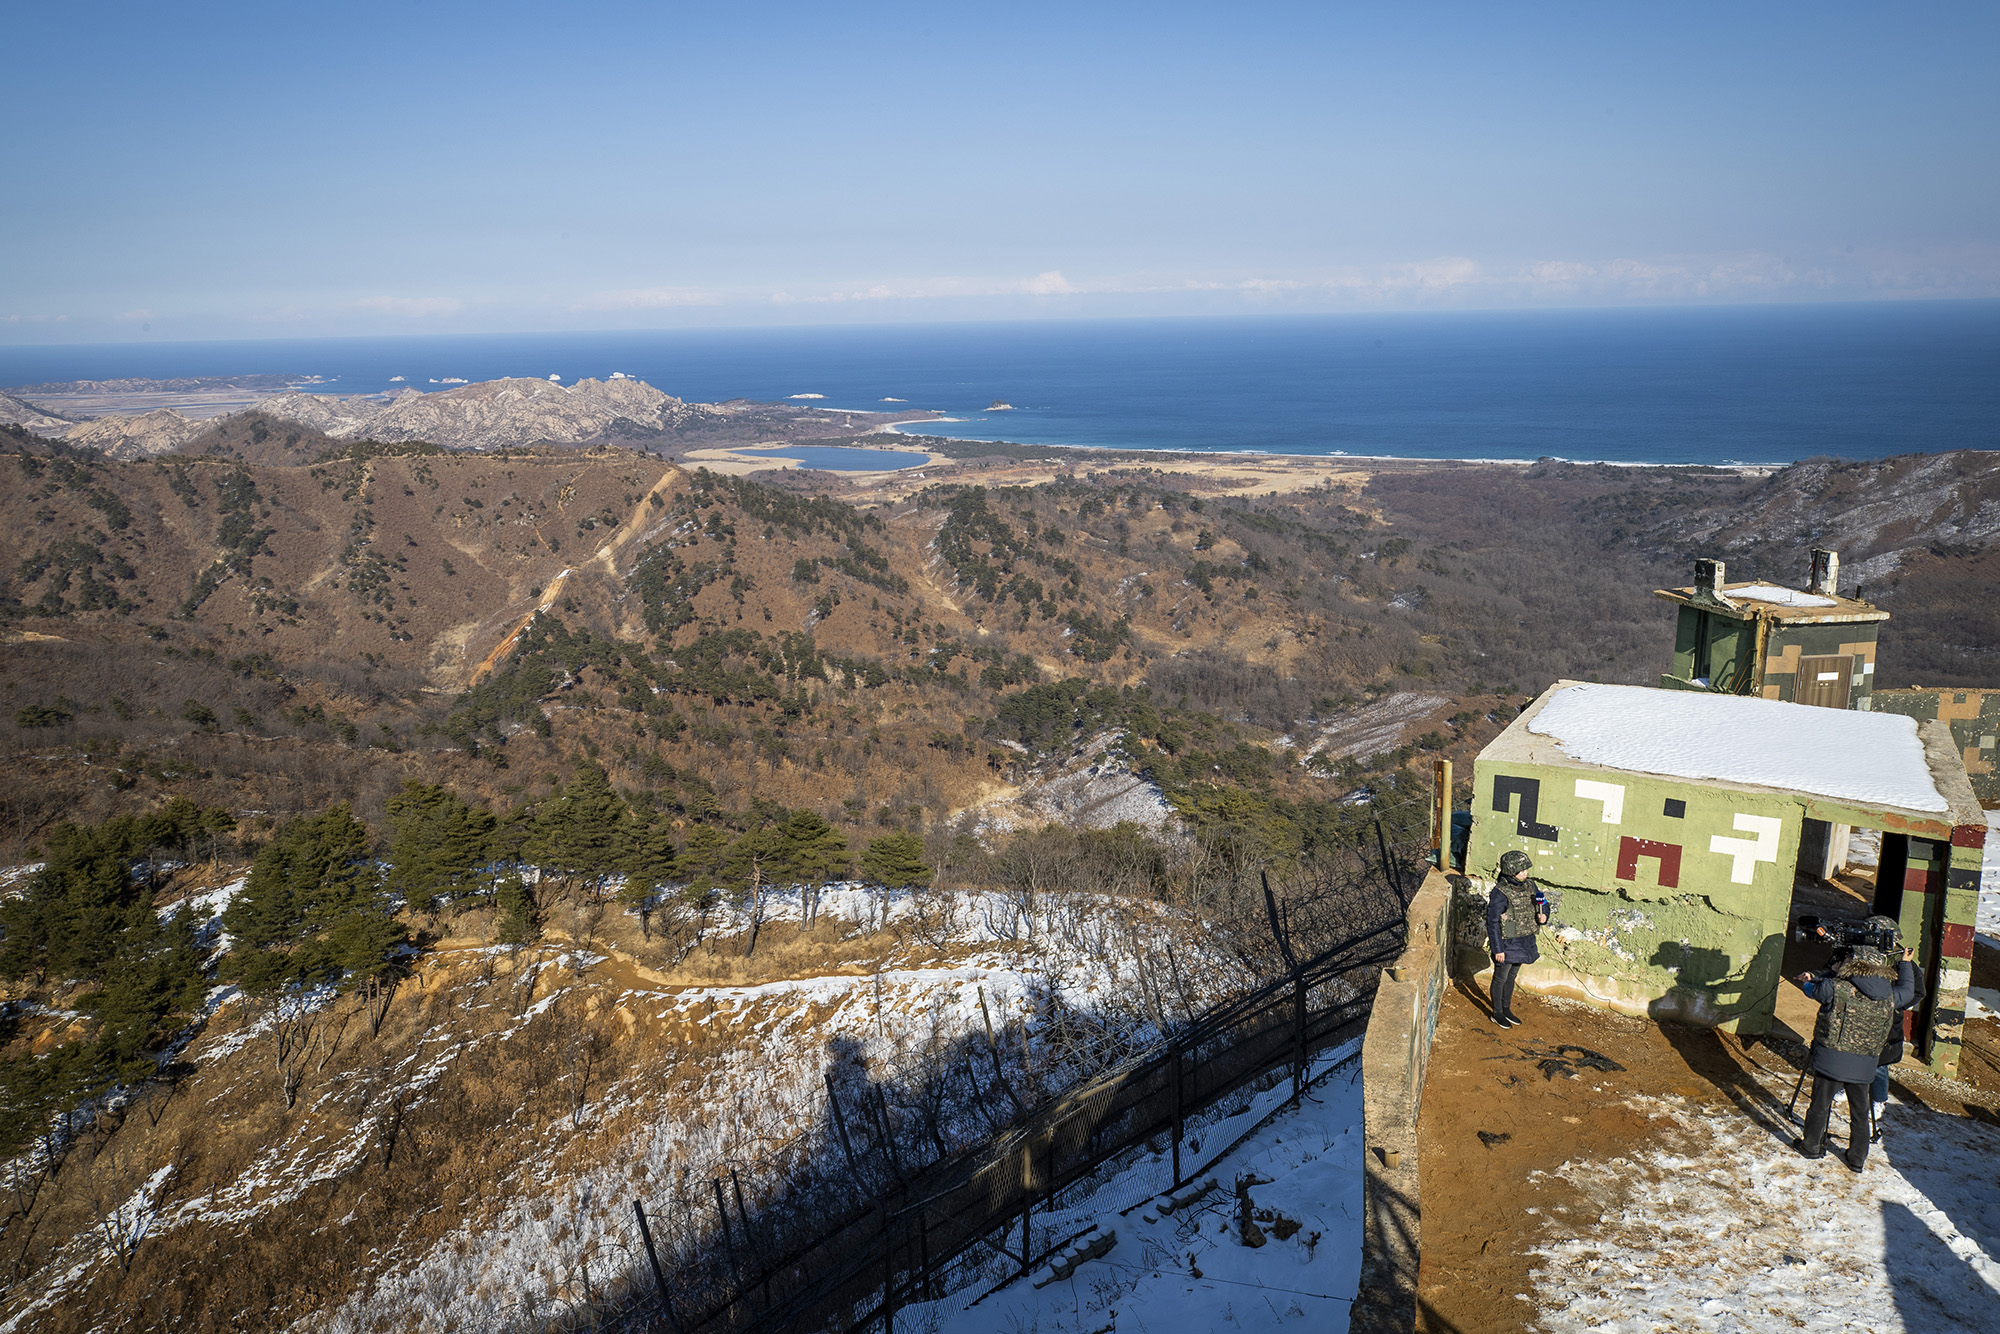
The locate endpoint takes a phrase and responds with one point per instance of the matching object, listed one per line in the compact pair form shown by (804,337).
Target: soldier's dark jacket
(1857,1004)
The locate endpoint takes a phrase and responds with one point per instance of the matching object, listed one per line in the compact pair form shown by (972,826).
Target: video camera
(1846,935)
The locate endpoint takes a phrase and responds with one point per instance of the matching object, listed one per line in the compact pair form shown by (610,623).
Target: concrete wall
(1667,898)
(1395,1055)
(1788,643)
(1974,719)
(1733,668)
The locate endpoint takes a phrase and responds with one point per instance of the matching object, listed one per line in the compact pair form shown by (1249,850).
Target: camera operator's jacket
(1857,1003)
(1892,1050)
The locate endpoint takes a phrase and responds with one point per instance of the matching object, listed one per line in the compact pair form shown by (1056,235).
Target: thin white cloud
(414,307)
(650,298)
(1048,283)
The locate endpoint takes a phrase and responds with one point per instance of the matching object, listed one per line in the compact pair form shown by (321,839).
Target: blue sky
(284,170)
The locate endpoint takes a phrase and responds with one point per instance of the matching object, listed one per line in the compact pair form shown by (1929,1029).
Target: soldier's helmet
(1515,863)
(1886,927)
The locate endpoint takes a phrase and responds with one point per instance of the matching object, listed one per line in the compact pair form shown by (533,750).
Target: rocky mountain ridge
(493,414)
(19,412)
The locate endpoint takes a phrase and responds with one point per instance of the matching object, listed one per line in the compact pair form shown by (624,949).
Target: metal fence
(911,1241)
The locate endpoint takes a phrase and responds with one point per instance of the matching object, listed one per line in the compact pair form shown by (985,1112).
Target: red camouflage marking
(1968,836)
(1956,941)
(1630,850)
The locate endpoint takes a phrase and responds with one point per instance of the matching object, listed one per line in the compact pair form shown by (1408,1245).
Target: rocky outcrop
(20,412)
(502,413)
(495,414)
(161,431)
(343,418)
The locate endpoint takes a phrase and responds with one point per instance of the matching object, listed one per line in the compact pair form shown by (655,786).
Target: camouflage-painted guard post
(1516,911)
(1860,999)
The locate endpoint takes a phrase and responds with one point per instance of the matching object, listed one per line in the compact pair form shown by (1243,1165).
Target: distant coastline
(1723,387)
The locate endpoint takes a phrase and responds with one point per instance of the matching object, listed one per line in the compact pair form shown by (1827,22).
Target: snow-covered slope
(1190,1270)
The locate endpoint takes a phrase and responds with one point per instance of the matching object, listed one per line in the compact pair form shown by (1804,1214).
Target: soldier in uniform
(1859,999)
(1515,911)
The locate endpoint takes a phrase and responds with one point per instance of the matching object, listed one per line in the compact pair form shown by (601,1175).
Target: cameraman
(1859,998)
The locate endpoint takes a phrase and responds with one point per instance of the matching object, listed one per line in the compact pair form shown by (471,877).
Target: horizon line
(1640,308)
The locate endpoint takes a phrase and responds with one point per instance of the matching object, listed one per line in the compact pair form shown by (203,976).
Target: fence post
(750,1241)
(729,1239)
(1298,988)
(1298,1035)
(888,1272)
(1177,1115)
(1027,1206)
(1389,871)
(1441,812)
(659,1277)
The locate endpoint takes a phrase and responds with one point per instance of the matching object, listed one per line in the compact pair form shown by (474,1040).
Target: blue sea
(1767,384)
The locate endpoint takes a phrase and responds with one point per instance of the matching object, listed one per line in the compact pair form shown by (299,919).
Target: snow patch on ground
(17,875)
(1190,1270)
(1724,1228)
(1864,848)
(1871,758)
(1374,728)
(1085,793)
(1989,883)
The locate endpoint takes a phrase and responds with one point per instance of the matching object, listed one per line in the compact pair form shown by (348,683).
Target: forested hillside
(328,779)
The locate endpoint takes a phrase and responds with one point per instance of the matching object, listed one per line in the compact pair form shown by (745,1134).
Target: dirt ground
(1979,1064)
(1505,1110)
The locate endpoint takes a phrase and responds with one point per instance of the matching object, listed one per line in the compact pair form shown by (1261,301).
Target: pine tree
(653,862)
(313,909)
(896,860)
(702,858)
(812,852)
(812,849)
(583,833)
(520,920)
(438,845)
(747,869)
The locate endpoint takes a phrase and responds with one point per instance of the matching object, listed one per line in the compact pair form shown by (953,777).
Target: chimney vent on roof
(1708,580)
(1825,572)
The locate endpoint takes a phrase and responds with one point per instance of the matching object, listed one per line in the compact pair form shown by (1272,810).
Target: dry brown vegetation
(272,639)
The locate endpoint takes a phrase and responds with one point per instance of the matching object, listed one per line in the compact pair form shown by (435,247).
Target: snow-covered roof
(1868,759)
(1783,597)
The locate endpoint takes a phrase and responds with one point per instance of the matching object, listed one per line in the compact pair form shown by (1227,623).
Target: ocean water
(832,458)
(1767,384)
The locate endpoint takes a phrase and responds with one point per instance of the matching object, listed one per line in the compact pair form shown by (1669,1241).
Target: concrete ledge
(1395,1055)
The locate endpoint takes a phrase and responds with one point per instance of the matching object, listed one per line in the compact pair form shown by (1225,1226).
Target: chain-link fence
(915,1238)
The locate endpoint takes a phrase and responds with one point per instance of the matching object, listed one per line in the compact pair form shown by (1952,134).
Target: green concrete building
(1806,646)
(1974,719)
(1666,825)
